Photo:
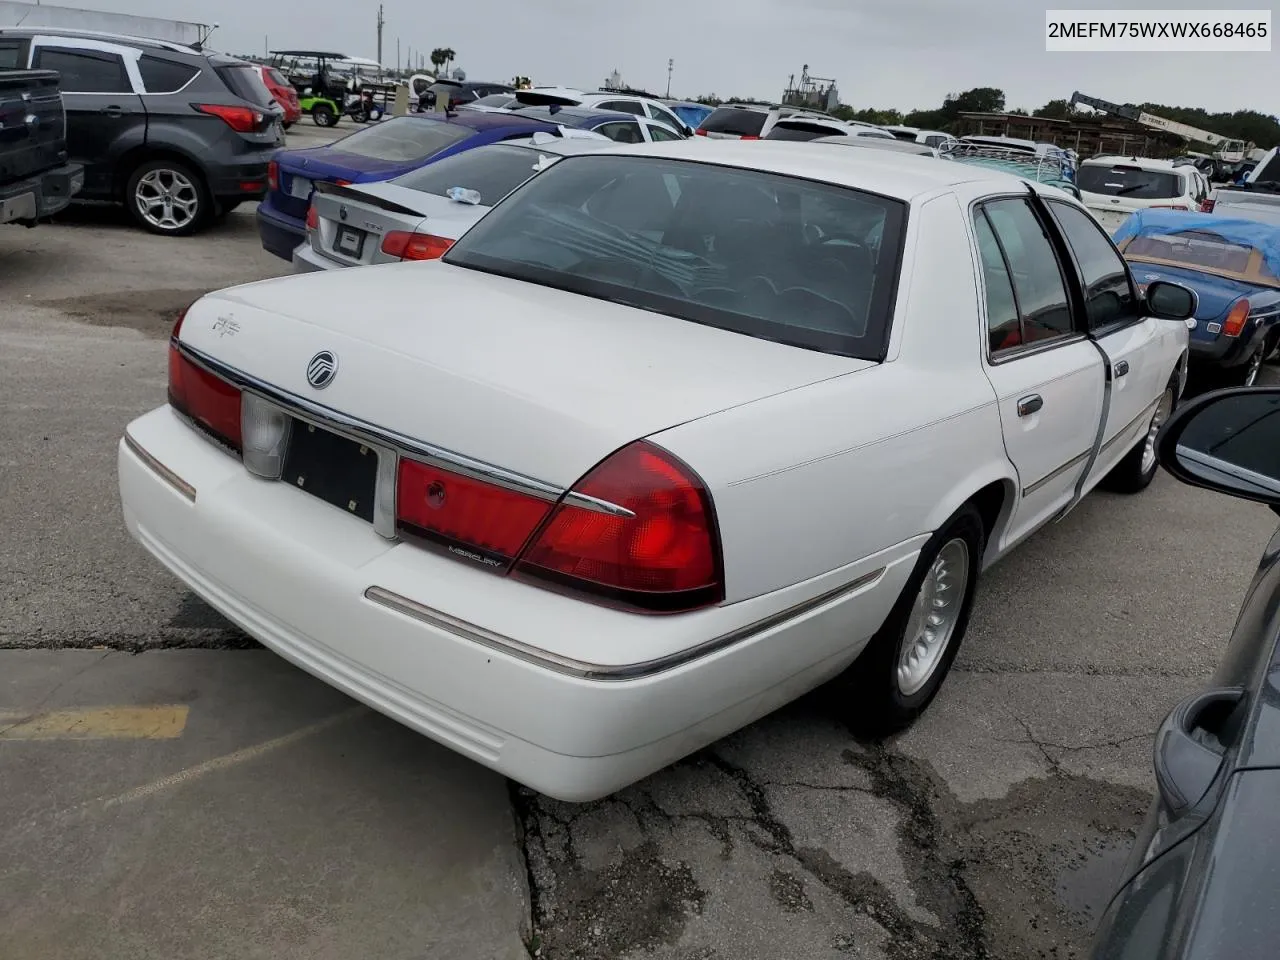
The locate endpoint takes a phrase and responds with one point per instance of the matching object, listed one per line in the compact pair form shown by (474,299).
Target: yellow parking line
(96,723)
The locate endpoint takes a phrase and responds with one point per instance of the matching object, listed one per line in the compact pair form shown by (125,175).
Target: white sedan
(664,441)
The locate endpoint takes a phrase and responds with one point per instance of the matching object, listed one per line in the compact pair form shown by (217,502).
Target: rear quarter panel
(816,478)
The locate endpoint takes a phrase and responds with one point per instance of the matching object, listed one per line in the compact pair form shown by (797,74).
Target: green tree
(441,57)
(1055,110)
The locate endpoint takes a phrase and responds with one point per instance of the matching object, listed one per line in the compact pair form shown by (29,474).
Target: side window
(660,133)
(664,116)
(623,131)
(1039,289)
(1108,293)
(13,54)
(85,71)
(625,106)
(164,76)
(1004,331)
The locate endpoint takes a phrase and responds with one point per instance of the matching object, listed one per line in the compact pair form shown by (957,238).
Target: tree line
(1259,128)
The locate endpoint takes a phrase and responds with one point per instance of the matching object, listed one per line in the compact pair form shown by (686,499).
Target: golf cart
(320,93)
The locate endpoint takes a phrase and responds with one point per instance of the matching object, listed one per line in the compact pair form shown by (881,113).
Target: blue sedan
(384,150)
(1233,266)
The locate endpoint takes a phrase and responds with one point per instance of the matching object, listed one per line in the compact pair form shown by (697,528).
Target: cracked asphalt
(994,828)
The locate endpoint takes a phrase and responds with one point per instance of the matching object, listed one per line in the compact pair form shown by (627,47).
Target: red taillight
(313,218)
(414,246)
(273,175)
(239,119)
(700,132)
(664,557)
(467,515)
(207,399)
(1206,205)
(748,136)
(1236,317)
(343,183)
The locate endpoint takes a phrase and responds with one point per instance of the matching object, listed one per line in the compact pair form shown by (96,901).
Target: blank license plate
(349,241)
(300,187)
(337,470)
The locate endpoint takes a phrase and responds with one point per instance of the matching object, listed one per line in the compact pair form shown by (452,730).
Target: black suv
(178,135)
(460,92)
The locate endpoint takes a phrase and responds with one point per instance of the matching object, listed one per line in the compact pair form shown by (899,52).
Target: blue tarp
(1247,233)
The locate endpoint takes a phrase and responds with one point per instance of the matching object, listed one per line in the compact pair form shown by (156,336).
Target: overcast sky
(882,53)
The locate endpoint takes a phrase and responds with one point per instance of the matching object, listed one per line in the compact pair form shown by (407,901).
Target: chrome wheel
(1163,409)
(167,199)
(1254,367)
(933,616)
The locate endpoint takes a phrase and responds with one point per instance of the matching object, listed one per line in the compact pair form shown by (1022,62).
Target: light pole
(670,66)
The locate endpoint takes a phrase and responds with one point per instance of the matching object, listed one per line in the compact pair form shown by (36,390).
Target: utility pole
(381,21)
(398,60)
(670,66)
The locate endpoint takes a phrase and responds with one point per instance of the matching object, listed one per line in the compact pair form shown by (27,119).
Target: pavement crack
(1055,765)
(35,711)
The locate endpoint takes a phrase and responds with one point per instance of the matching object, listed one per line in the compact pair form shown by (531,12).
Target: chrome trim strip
(1144,415)
(1073,462)
(158,468)
(375,436)
(584,670)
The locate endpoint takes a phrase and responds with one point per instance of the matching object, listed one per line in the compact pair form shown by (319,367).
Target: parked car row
(178,136)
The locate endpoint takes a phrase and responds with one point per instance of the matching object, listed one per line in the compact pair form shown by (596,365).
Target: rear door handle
(112,111)
(1121,368)
(1029,405)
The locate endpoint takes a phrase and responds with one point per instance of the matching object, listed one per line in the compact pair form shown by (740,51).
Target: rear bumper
(365,614)
(306,260)
(43,195)
(240,179)
(1225,351)
(280,234)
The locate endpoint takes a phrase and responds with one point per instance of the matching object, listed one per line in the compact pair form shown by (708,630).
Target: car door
(1138,366)
(1048,378)
(622,131)
(659,132)
(668,118)
(105,114)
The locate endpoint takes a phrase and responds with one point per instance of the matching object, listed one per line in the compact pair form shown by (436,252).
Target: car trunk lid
(532,379)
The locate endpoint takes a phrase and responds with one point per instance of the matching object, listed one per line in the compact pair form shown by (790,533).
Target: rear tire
(323,115)
(1247,373)
(903,667)
(168,198)
(1135,472)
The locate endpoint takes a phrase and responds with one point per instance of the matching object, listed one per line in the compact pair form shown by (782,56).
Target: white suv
(1114,187)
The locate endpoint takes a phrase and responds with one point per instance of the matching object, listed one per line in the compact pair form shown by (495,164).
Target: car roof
(478,120)
(1144,163)
(309,53)
(566,115)
(885,172)
(901,146)
(121,38)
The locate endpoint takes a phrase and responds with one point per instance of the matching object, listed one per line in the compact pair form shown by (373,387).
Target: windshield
(1194,248)
(492,171)
(403,139)
(761,254)
(1134,182)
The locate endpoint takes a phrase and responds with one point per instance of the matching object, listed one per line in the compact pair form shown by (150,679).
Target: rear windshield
(1271,171)
(245,81)
(403,139)
(1133,182)
(1194,248)
(766,255)
(495,100)
(492,171)
(735,120)
(799,130)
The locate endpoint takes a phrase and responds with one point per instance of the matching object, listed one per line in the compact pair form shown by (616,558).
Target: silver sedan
(418,215)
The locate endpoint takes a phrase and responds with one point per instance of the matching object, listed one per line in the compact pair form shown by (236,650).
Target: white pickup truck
(1259,197)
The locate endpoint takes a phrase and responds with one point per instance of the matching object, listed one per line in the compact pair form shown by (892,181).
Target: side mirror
(1229,441)
(1171,301)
